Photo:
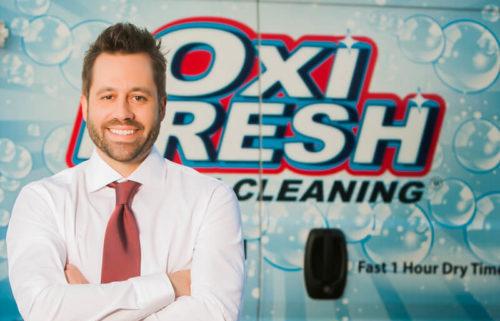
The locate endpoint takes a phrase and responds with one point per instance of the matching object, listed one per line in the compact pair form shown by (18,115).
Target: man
(167,246)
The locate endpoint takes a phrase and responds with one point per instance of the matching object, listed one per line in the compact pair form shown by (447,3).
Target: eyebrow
(141,89)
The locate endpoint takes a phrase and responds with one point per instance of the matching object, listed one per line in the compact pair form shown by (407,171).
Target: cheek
(96,117)
(149,118)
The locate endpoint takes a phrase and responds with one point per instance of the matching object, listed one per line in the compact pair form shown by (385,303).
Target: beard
(123,152)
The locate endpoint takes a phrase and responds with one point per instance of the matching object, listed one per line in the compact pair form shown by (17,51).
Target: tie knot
(125,191)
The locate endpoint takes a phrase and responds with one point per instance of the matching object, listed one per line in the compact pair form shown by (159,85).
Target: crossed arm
(46,289)
(181,280)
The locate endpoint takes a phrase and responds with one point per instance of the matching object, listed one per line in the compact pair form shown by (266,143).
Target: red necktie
(121,257)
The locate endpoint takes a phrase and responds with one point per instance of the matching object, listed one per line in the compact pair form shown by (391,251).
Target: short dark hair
(126,38)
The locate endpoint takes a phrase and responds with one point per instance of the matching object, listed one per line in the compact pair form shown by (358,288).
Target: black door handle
(325,264)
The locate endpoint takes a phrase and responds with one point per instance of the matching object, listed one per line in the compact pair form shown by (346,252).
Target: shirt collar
(99,174)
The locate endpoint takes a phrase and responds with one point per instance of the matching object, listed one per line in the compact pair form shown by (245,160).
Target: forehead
(122,71)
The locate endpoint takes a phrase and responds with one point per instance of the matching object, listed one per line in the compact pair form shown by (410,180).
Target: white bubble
(19,26)
(50,89)
(7,150)
(490,13)
(16,71)
(452,204)
(55,147)
(33,7)
(48,40)
(286,237)
(2,195)
(412,242)
(34,130)
(481,240)
(127,11)
(355,220)
(4,217)
(19,166)
(471,58)
(83,34)
(256,293)
(421,39)
(477,145)
(10,185)
(384,21)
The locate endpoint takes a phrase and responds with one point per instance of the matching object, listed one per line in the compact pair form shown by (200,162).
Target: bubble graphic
(471,58)
(127,11)
(482,232)
(9,184)
(4,217)
(2,195)
(421,39)
(34,130)
(256,293)
(477,145)
(452,204)
(490,13)
(19,166)
(33,7)
(16,71)
(284,242)
(83,34)
(7,150)
(19,26)
(51,89)
(48,40)
(401,232)
(54,148)
(384,22)
(355,220)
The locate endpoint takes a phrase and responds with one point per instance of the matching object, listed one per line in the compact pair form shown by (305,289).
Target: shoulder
(56,184)
(192,180)
(42,201)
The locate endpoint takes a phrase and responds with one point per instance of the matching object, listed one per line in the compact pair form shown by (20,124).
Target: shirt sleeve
(217,270)
(36,257)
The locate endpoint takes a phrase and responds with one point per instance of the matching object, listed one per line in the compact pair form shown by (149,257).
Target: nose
(123,109)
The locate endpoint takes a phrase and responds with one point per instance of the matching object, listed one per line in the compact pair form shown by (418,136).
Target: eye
(139,98)
(107,97)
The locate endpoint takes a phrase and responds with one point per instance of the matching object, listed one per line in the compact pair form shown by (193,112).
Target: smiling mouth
(122,132)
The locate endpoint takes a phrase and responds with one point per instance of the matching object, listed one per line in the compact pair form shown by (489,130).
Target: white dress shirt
(186,221)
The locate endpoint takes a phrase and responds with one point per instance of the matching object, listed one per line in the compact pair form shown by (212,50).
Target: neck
(124,168)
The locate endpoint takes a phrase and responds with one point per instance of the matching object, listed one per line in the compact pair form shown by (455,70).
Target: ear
(163,105)
(84,105)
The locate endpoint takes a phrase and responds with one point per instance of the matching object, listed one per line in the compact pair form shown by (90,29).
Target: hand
(181,282)
(73,275)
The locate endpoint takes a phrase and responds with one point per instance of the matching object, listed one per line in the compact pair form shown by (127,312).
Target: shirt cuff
(154,291)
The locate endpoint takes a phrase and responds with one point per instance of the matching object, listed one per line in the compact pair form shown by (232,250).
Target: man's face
(123,112)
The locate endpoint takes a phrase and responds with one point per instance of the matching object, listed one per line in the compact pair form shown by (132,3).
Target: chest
(167,231)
